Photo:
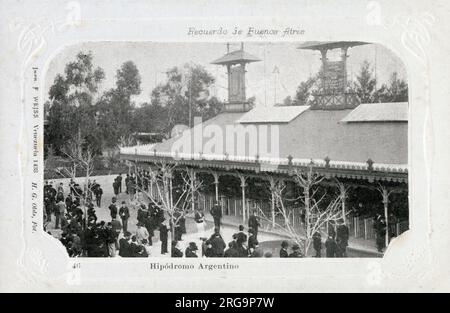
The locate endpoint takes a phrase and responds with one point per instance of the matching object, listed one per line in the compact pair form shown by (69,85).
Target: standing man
(98,195)
(60,210)
(124,215)
(216,212)
(163,236)
(330,247)
(253,224)
(200,222)
(113,208)
(342,235)
(317,244)
(119,182)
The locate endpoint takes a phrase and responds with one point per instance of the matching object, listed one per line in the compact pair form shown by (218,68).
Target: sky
(262,81)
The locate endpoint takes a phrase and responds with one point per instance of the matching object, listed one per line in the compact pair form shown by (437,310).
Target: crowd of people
(83,235)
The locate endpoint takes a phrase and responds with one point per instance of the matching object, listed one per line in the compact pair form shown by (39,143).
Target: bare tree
(80,159)
(318,214)
(161,192)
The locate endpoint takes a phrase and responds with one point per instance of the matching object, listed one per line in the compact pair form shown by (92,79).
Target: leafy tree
(395,91)
(186,87)
(128,79)
(70,111)
(304,91)
(150,118)
(115,108)
(365,85)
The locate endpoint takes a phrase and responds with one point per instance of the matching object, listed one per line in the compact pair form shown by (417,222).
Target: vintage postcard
(221,147)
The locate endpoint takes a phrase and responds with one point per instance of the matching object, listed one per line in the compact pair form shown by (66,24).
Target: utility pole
(276,71)
(190,101)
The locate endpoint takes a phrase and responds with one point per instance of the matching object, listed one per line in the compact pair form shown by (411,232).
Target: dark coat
(251,242)
(218,245)
(231,253)
(134,249)
(176,253)
(283,253)
(296,254)
(253,222)
(216,211)
(242,252)
(240,238)
(124,248)
(113,210)
(331,248)
(342,234)
(190,253)
(124,212)
(163,232)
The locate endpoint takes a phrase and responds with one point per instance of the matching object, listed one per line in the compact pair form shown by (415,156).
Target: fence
(359,227)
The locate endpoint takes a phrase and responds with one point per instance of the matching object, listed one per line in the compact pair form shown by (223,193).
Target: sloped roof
(313,134)
(379,112)
(277,114)
(236,57)
(318,45)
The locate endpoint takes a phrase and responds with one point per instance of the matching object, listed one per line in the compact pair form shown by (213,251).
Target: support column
(192,181)
(385,194)
(216,183)
(242,177)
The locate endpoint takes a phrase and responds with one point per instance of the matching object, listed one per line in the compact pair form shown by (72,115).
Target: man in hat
(216,213)
(124,245)
(217,243)
(295,251)
(253,224)
(191,250)
(98,195)
(176,252)
(283,251)
(124,215)
(113,208)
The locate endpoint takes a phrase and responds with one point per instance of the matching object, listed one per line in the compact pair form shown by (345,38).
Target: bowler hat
(284,244)
(193,246)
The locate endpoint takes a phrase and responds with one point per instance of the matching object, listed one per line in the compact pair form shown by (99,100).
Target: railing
(359,227)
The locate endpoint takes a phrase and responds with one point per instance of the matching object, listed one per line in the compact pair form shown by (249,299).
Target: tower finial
(228,47)
(242,45)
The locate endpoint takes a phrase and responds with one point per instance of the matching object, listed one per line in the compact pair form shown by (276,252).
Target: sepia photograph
(293,149)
